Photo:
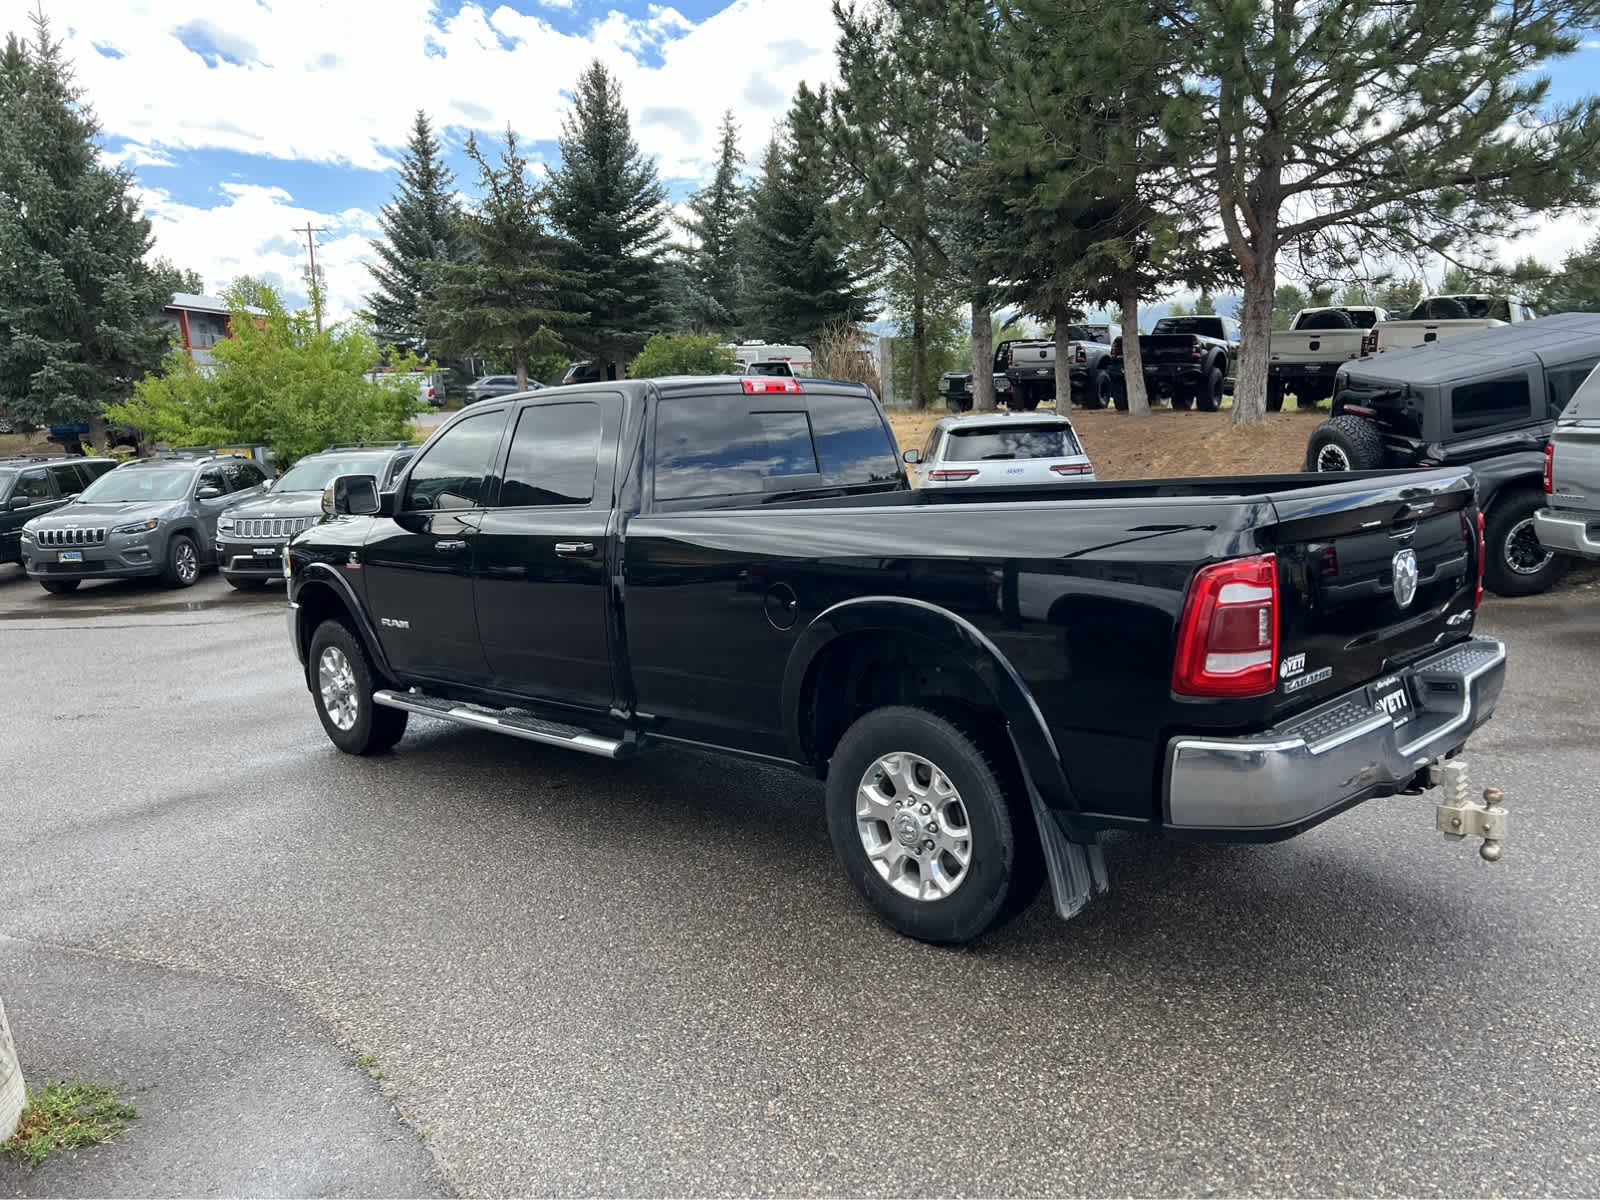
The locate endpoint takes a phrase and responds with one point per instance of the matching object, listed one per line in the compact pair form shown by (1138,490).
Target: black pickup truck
(1189,359)
(988,680)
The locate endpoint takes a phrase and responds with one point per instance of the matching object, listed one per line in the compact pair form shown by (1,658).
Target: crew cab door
(542,553)
(418,564)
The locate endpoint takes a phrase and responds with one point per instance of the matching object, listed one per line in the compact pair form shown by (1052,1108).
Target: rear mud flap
(1077,872)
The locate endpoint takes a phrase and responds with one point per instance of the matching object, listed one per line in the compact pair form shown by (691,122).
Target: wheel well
(862,671)
(1504,487)
(318,603)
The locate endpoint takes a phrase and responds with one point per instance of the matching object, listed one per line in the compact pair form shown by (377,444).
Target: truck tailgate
(1371,577)
(1291,346)
(1157,348)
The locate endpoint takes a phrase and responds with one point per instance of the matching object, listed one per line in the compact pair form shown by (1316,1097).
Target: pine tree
(1336,125)
(712,273)
(803,275)
(605,198)
(78,304)
(511,299)
(422,229)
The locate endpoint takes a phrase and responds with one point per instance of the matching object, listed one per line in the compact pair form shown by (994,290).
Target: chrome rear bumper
(1558,529)
(1279,782)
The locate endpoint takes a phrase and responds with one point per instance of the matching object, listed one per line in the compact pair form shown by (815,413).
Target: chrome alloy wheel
(337,683)
(1523,552)
(913,826)
(1332,458)
(187,562)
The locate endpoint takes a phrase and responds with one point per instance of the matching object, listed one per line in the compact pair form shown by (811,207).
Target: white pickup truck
(1303,360)
(1438,317)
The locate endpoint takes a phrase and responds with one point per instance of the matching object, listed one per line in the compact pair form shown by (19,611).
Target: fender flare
(1038,754)
(322,575)
(1497,474)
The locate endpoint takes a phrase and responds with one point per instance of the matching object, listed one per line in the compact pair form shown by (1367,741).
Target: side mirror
(912,456)
(20,502)
(208,493)
(351,496)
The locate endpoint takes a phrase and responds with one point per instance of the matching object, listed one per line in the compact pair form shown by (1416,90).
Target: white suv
(1001,449)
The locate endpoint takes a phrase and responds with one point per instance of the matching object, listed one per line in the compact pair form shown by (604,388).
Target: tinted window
(553,456)
(315,473)
(721,446)
(852,445)
(243,475)
(70,478)
(1200,326)
(1564,384)
(35,485)
(1014,441)
(395,467)
(450,472)
(212,478)
(1484,405)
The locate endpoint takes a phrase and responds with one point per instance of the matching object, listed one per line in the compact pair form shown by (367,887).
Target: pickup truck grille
(70,537)
(277,527)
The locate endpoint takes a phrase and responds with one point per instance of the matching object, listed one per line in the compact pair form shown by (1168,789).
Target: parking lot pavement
(584,977)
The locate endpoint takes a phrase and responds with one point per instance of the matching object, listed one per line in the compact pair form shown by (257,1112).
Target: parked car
(31,487)
(430,388)
(583,371)
(1089,343)
(1570,520)
(777,368)
(148,517)
(1489,400)
(986,449)
(251,536)
(1304,359)
(956,386)
(1438,317)
(1190,359)
(749,353)
(1031,368)
(739,564)
(489,387)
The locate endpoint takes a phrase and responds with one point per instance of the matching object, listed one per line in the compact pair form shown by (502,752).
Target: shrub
(682,354)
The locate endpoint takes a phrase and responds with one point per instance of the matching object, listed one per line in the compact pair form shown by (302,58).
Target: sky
(245,119)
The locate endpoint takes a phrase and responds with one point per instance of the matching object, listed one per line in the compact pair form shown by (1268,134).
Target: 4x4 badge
(1405,577)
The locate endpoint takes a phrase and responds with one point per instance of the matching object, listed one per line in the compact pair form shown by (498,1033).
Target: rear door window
(554,456)
(36,486)
(1494,402)
(1565,383)
(728,446)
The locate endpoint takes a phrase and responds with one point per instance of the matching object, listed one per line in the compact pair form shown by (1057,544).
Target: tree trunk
(982,358)
(1250,377)
(919,348)
(522,371)
(97,433)
(1132,360)
(1062,336)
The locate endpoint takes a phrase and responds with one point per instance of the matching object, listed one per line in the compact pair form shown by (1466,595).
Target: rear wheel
(342,683)
(1098,393)
(1182,399)
(1209,397)
(926,828)
(60,587)
(1274,394)
(183,562)
(1025,397)
(1515,564)
(1119,394)
(1344,443)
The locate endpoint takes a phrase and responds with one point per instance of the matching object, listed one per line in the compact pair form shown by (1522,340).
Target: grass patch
(65,1116)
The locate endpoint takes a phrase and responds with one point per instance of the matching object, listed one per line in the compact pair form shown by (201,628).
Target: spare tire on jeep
(1345,443)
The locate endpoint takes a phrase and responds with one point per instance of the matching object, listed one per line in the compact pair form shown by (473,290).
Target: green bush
(682,354)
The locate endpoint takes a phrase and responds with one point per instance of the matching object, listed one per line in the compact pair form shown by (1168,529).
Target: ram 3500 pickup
(987,680)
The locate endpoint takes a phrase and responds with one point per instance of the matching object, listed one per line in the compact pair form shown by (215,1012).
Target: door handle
(575,549)
(449,545)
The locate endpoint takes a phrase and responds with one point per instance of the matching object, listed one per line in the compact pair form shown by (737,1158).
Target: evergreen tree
(78,304)
(713,276)
(422,229)
(511,299)
(1334,124)
(802,273)
(607,201)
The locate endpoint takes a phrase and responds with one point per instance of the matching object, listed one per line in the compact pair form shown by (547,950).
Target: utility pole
(316,290)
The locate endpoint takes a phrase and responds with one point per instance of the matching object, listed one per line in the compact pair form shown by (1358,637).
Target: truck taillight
(1196,351)
(1369,342)
(1116,348)
(762,384)
(1477,599)
(1228,641)
(1550,469)
(1082,355)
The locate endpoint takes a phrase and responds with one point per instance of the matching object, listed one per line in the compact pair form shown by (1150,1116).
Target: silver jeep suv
(148,517)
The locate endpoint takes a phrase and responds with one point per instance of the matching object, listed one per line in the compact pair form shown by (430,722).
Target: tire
(60,587)
(341,677)
(957,405)
(1098,394)
(1514,563)
(1332,318)
(898,752)
(1309,395)
(1024,398)
(1209,397)
(1344,443)
(1440,308)
(1274,394)
(1182,399)
(1119,395)
(183,562)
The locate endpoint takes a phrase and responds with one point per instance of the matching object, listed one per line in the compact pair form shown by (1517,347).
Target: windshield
(1203,326)
(132,487)
(1017,441)
(314,474)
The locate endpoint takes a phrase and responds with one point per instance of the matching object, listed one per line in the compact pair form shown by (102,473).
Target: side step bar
(530,729)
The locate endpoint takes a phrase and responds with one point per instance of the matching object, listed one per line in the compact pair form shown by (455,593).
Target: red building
(201,322)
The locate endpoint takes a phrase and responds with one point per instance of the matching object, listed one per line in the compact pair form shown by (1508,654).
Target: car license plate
(1392,697)
(265,551)
(70,556)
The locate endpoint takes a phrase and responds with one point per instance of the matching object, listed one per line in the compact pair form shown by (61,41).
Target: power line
(311,246)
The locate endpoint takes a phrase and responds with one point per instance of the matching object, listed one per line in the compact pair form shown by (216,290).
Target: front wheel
(1209,397)
(58,587)
(183,562)
(1515,564)
(342,687)
(1274,394)
(925,828)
